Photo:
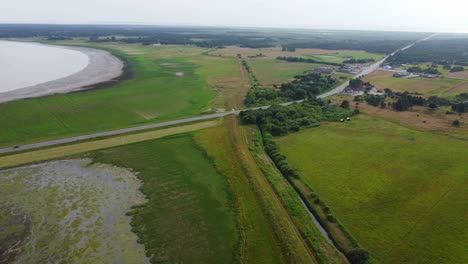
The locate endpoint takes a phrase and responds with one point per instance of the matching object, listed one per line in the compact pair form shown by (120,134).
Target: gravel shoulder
(102,67)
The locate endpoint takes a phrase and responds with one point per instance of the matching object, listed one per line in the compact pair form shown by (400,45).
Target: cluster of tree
(440,51)
(457,69)
(289,49)
(252,76)
(304,86)
(405,100)
(374,100)
(280,120)
(359,61)
(429,70)
(307,60)
(358,83)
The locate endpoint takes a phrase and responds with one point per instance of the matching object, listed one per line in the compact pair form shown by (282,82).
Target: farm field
(389,186)
(442,87)
(272,53)
(189,216)
(168,82)
(269,72)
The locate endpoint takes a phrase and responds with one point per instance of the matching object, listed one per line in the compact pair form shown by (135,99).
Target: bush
(456,123)
(345,104)
(317,200)
(358,256)
(331,218)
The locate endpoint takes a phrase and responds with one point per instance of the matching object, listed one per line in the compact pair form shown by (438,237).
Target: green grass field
(269,72)
(155,93)
(189,217)
(401,193)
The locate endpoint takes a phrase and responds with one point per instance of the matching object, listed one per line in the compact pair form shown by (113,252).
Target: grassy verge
(188,217)
(389,186)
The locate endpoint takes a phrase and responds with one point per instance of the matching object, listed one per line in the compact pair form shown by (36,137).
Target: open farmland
(442,87)
(188,217)
(168,82)
(390,186)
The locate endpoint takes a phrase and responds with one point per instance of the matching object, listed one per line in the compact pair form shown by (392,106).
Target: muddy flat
(66,211)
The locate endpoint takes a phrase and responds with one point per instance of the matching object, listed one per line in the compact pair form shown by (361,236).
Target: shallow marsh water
(70,211)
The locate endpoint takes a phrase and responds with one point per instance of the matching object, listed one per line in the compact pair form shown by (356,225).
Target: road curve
(338,89)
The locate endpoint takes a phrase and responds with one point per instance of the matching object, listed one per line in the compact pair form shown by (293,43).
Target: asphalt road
(338,89)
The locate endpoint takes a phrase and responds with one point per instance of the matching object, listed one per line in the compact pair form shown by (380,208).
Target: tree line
(439,51)
(359,61)
(307,60)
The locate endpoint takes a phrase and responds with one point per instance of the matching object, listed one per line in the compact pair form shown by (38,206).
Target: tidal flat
(69,211)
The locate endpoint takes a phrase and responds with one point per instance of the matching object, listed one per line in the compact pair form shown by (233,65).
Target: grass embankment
(72,149)
(168,83)
(401,193)
(442,87)
(268,234)
(188,217)
(291,201)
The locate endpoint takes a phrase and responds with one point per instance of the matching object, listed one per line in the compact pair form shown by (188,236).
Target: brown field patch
(421,118)
(458,75)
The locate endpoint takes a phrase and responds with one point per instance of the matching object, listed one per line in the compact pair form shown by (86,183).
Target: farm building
(326,70)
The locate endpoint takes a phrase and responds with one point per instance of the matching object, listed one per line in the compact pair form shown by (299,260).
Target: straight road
(370,69)
(338,89)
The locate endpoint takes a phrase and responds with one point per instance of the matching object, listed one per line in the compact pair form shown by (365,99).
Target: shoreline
(103,69)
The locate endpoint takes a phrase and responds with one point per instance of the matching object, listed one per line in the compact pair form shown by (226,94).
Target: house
(325,70)
(401,74)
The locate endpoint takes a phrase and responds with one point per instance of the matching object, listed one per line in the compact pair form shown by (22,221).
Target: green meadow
(401,193)
(188,216)
(168,82)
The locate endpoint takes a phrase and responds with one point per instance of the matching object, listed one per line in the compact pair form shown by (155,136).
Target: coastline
(103,69)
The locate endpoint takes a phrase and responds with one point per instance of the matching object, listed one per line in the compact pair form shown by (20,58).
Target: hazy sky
(408,15)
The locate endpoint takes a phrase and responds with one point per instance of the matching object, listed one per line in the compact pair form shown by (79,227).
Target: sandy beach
(102,67)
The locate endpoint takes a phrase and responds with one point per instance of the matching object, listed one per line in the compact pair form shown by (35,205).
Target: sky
(392,15)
